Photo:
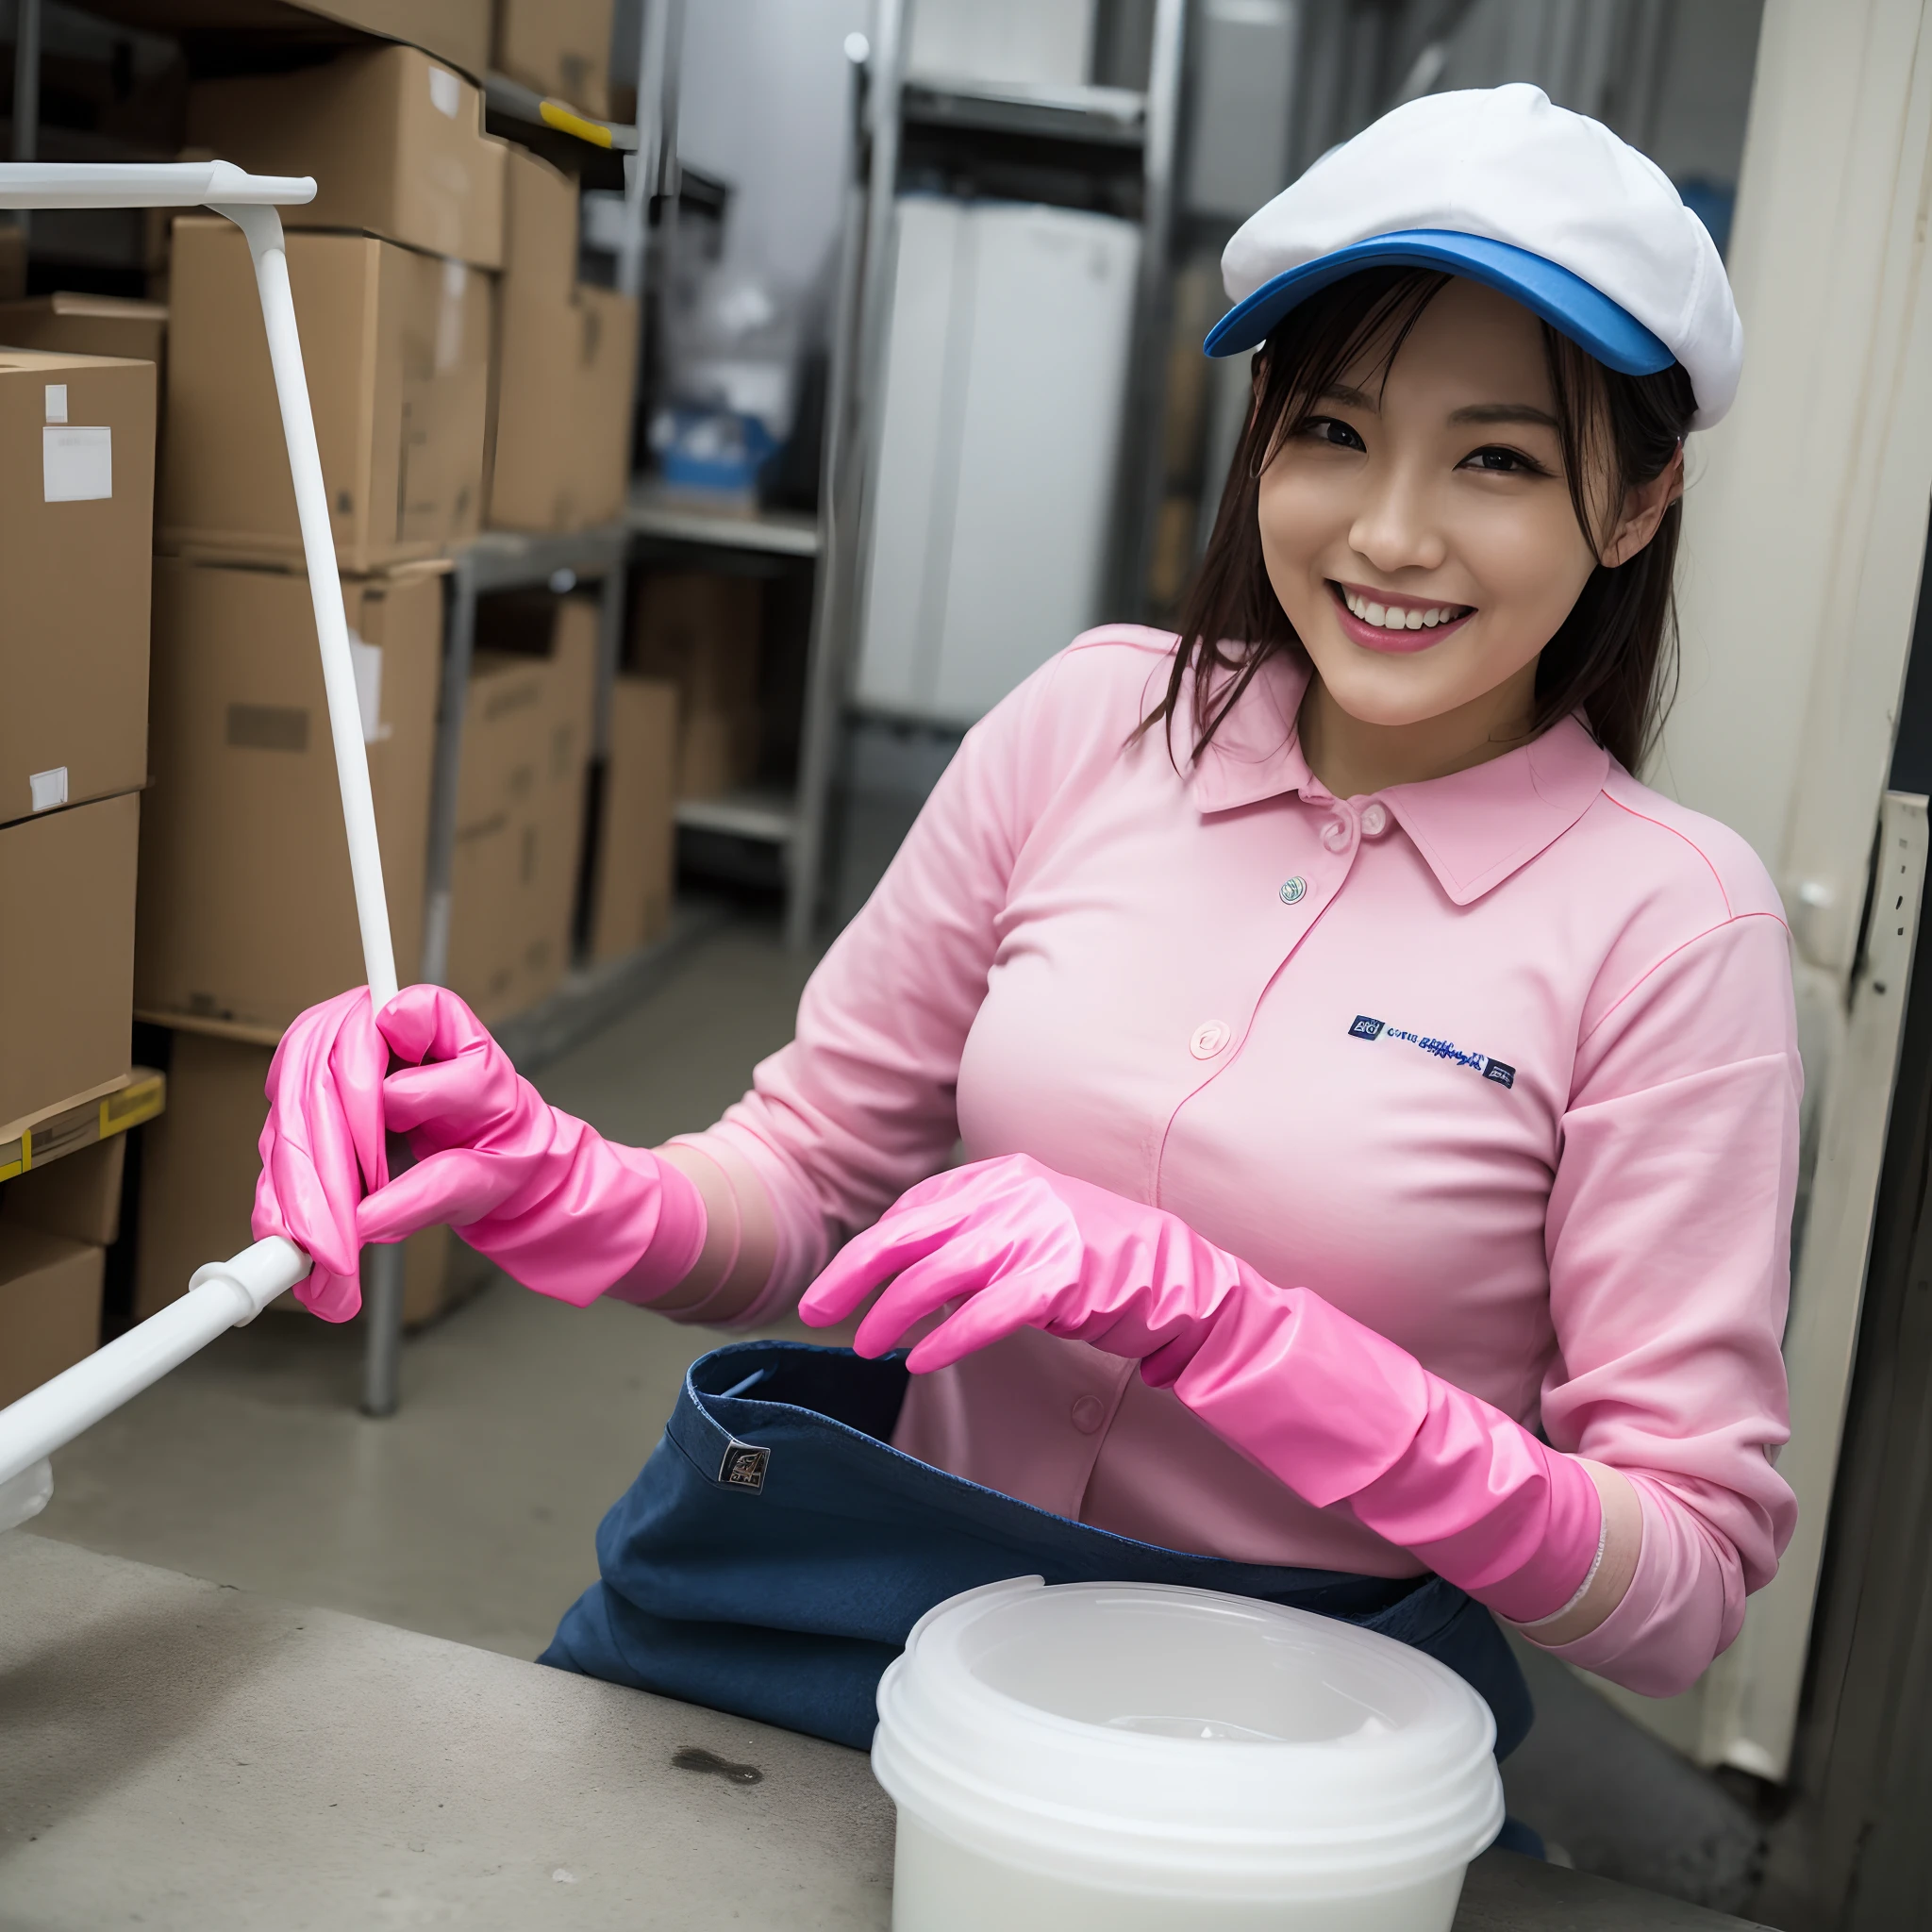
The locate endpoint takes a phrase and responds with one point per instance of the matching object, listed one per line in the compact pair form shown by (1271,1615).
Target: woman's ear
(1643,510)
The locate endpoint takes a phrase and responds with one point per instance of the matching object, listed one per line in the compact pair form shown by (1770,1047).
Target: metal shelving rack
(888,102)
(782,819)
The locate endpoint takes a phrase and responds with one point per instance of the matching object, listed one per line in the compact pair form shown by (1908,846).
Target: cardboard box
(701,629)
(563,380)
(395,141)
(77,1196)
(606,341)
(12,261)
(552,930)
(247,911)
(50,1307)
(559,48)
(87,325)
(76,513)
(66,957)
(454,30)
(495,857)
(717,752)
(198,1166)
(199,1163)
(397,350)
(520,812)
(636,841)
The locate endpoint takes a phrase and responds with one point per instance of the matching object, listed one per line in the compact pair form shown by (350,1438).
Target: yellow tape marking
(560,117)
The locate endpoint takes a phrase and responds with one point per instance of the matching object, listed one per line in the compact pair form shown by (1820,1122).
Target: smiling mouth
(1381,622)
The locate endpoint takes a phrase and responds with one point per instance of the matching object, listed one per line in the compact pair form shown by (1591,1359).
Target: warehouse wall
(762,106)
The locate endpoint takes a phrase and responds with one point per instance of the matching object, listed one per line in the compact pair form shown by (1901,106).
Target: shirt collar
(1473,827)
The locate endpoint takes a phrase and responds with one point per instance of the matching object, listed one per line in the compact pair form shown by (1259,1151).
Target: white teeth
(1400,616)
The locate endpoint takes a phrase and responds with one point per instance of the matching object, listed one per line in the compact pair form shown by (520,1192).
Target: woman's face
(1419,530)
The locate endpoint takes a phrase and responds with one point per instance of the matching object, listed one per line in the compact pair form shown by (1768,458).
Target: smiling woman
(1469,523)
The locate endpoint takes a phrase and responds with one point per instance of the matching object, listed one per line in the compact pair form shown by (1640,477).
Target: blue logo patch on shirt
(1362,1027)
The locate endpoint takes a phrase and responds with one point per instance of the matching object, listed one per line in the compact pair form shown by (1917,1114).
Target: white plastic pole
(220,1296)
(264,228)
(224,1294)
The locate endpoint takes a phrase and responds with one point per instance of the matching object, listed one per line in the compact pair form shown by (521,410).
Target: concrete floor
(471,1514)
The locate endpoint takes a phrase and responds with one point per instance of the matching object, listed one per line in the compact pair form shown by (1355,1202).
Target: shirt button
(1294,891)
(1209,1039)
(1334,835)
(1089,1413)
(1374,821)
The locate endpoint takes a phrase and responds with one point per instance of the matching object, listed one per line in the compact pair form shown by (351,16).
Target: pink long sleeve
(1503,1065)
(1669,1177)
(864,1101)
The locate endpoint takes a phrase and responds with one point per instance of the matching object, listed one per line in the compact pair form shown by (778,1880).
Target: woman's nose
(1393,529)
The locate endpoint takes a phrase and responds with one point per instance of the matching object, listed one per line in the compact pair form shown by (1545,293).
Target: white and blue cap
(1499,186)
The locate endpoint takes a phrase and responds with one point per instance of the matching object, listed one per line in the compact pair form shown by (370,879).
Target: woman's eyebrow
(1504,413)
(1350,398)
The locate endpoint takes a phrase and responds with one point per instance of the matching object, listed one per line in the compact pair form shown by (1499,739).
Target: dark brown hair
(1614,656)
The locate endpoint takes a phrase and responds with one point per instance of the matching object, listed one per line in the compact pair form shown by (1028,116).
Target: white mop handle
(264,228)
(145,183)
(220,1296)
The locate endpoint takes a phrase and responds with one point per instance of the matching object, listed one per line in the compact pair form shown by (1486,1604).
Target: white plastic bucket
(1137,1757)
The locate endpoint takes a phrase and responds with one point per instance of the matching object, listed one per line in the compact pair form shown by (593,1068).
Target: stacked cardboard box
(76,483)
(198,1169)
(566,365)
(636,839)
(559,48)
(396,345)
(247,913)
(87,325)
(395,141)
(454,30)
(390,267)
(702,631)
(247,910)
(520,811)
(56,1221)
(76,505)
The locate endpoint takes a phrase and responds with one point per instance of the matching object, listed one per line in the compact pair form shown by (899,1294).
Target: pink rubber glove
(322,1147)
(544,1196)
(1324,1405)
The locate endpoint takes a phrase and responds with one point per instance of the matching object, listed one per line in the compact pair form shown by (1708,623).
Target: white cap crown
(1508,165)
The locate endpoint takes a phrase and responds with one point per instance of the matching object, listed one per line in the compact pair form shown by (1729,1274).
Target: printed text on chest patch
(1363,1027)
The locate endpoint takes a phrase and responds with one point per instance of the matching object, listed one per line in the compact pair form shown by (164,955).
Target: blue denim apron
(776,1551)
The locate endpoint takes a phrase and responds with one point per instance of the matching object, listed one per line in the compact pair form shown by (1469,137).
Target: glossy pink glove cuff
(1341,1414)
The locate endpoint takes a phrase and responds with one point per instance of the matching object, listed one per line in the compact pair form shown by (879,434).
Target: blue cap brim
(1564,300)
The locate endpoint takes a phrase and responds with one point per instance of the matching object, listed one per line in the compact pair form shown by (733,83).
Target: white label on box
(445,91)
(49,788)
(76,464)
(367,660)
(57,402)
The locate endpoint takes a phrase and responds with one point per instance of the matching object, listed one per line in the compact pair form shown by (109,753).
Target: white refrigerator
(994,487)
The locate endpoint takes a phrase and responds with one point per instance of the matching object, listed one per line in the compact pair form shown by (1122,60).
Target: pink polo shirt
(1503,1064)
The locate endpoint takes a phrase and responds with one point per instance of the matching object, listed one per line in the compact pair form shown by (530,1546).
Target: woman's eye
(1499,461)
(1337,434)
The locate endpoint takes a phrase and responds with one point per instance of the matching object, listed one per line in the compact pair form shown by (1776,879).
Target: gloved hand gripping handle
(228,1294)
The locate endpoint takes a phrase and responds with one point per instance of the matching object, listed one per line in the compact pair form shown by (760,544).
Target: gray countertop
(183,1753)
